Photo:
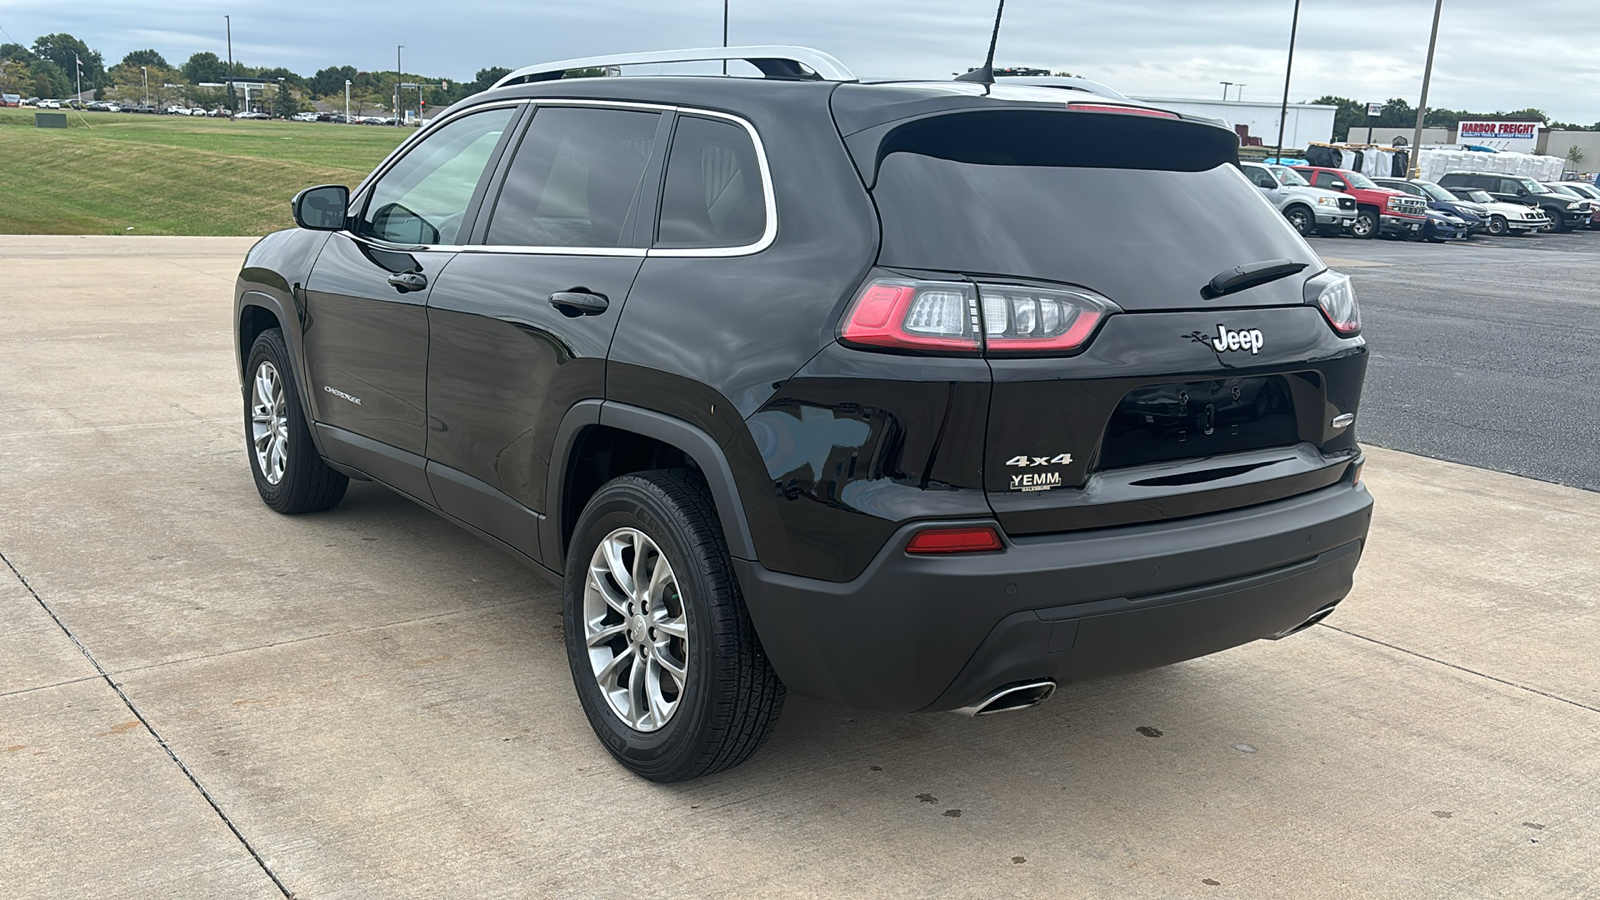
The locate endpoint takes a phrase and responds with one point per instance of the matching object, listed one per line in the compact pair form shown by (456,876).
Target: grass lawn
(119,173)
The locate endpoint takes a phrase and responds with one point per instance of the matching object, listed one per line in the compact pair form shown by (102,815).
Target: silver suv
(1307,208)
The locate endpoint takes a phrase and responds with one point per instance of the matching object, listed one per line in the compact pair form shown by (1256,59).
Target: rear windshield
(1143,237)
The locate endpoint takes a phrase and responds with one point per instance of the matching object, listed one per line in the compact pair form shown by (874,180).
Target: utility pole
(1283,111)
(231,106)
(724,34)
(1422,106)
(397,50)
(1225,86)
(347,101)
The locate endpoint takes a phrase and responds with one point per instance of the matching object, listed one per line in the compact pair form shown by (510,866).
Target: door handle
(579,302)
(405,282)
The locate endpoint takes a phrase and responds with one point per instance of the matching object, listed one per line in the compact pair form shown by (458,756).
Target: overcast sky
(1492,54)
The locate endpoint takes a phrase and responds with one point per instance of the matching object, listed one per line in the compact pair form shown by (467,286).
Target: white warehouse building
(1308,122)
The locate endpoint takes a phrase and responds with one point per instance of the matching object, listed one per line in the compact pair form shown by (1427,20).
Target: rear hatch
(1184,399)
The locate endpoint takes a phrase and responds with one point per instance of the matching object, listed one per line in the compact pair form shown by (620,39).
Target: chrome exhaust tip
(1021,695)
(1316,617)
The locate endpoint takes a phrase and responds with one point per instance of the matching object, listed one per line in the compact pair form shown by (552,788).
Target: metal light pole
(232,108)
(78,67)
(1283,111)
(397,77)
(1225,86)
(146,73)
(1422,106)
(347,101)
(1239,97)
(724,34)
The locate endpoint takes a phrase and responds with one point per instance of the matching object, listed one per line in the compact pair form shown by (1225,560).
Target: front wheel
(1365,225)
(289,475)
(1498,225)
(664,657)
(1300,219)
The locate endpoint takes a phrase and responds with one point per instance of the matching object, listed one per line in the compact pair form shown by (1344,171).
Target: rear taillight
(1126,110)
(1337,300)
(1031,320)
(955,540)
(964,319)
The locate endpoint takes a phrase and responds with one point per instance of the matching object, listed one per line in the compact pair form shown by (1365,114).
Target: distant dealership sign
(1502,135)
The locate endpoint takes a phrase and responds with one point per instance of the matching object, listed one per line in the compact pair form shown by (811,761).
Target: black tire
(730,698)
(1365,226)
(1301,219)
(306,484)
(1498,225)
(1558,222)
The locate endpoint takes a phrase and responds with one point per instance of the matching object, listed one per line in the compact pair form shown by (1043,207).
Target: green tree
(144,58)
(16,52)
(329,82)
(486,78)
(1349,114)
(205,67)
(284,101)
(280,72)
(49,80)
(67,52)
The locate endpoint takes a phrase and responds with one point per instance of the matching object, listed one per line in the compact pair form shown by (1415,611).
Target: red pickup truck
(1378,210)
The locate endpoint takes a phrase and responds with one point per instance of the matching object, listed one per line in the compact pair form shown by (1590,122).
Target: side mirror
(321,208)
(1339,187)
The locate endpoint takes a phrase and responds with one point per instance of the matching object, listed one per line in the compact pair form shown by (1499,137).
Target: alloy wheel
(269,423)
(636,629)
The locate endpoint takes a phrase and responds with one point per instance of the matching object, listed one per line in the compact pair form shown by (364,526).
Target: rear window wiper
(1249,275)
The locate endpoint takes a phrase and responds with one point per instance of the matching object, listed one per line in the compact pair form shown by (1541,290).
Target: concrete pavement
(201,698)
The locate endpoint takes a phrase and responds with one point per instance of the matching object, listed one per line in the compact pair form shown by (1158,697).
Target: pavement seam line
(317,637)
(46,687)
(160,741)
(1461,668)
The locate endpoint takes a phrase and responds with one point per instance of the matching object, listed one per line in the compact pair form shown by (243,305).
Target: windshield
(1479,197)
(1359,180)
(1565,191)
(1434,191)
(1534,187)
(1290,177)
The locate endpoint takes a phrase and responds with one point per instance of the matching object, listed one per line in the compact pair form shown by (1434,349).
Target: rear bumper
(938,633)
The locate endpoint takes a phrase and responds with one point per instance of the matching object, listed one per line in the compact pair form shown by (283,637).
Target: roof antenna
(985,75)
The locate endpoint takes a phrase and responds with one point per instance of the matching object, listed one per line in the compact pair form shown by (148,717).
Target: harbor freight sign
(1522,136)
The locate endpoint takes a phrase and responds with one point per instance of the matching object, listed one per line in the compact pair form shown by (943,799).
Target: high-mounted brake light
(1126,110)
(963,319)
(965,539)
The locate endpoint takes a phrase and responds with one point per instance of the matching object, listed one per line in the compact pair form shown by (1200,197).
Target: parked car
(10,100)
(249,114)
(1562,211)
(1442,226)
(1475,217)
(49,104)
(1576,190)
(1378,210)
(755,369)
(1307,208)
(1589,192)
(1504,218)
(304,117)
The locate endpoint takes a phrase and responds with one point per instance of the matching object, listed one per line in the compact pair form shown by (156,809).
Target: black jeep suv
(881,393)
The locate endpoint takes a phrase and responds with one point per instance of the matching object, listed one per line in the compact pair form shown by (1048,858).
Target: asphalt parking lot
(201,698)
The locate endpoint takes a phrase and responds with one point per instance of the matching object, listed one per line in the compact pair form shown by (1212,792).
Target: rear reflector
(955,540)
(1126,110)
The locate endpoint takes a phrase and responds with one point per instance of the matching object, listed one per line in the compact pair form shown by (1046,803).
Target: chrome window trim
(769,196)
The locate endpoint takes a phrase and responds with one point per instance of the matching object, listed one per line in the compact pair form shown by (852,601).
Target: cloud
(1369,50)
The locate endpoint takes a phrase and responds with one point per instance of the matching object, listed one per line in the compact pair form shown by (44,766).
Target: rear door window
(575,179)
(714,195)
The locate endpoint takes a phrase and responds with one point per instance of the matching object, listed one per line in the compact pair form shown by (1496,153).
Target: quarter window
(424,196)
(575,178)
(713,194)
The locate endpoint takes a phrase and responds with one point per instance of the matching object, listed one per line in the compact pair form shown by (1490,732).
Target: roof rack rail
(783,63)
